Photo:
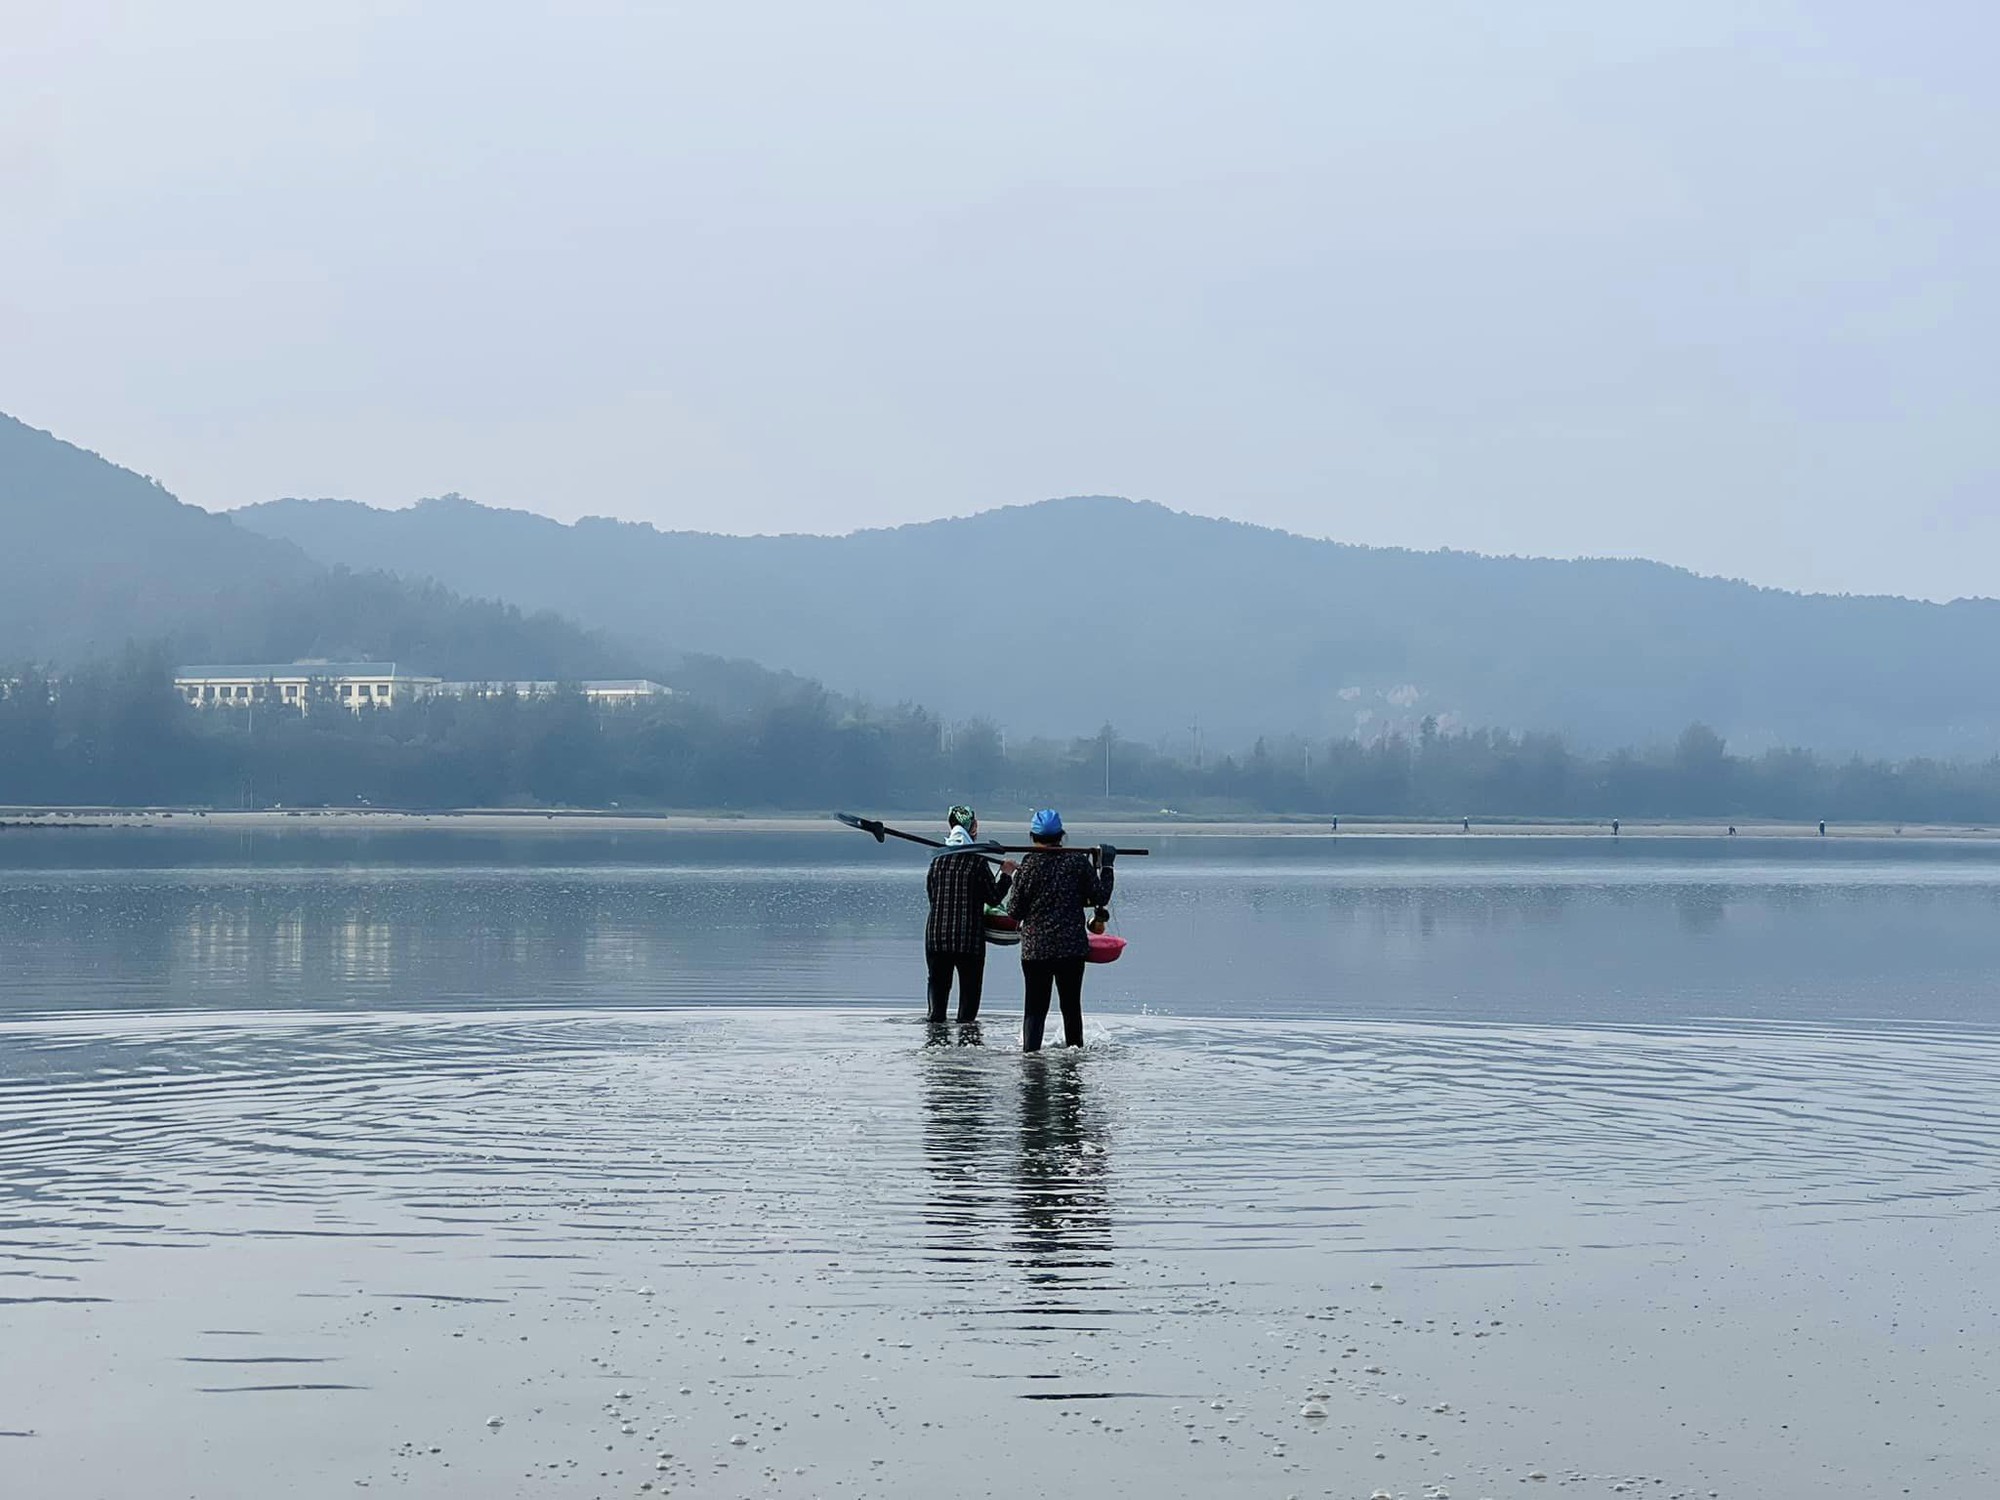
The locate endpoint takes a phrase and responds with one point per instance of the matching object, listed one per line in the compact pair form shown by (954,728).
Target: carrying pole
(881,832)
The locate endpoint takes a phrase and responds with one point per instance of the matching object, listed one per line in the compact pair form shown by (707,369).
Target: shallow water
(1674,1173)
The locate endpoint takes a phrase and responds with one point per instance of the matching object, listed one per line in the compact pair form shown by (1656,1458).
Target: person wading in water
(961,885)
(1051,891)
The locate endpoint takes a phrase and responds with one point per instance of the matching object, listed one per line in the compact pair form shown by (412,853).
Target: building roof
(264,671)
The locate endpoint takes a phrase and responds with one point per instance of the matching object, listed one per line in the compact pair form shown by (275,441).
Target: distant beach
(1088,827)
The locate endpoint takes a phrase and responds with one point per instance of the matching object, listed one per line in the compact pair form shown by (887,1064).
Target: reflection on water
(1049,1213)
(1051,1167)
(1565,937)
(1067,1228)
(1690,1161)
(960,1098)
(1064,1242)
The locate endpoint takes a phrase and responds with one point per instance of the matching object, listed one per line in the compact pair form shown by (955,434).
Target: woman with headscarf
(961,885)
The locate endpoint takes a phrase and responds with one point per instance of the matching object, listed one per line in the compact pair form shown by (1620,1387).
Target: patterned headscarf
(960,816)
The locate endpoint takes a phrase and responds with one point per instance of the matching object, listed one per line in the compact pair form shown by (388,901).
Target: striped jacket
(961,887)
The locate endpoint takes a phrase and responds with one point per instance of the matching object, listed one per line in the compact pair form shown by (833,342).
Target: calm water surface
(1422,1167)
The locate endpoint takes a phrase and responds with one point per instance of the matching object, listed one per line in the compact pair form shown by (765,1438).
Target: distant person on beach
(1054,887)
(961,885)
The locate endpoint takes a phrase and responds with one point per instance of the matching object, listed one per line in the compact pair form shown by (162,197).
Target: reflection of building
(353,684)
(370,684)
(361,949)
(211,942)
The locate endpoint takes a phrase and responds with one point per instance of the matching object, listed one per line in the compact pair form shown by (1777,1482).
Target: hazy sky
(1709,282)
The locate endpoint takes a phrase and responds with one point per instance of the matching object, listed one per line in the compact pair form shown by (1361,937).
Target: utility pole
(1107,765)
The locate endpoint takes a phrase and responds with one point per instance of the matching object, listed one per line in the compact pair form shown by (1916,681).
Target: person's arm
(1098,883)
(1023,892)
(997,886)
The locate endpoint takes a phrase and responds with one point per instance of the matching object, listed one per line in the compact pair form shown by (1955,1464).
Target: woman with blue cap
(1052,890)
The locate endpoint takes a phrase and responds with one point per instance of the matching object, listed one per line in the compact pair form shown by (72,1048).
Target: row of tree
(119,734)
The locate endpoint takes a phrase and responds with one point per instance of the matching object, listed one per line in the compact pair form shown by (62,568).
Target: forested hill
(103,556)
(1070,613)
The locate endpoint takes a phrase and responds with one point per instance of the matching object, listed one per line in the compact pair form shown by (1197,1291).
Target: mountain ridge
(456,503)
(1240,628)
(123,561)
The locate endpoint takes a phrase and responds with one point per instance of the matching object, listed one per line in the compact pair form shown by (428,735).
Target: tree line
(118,734)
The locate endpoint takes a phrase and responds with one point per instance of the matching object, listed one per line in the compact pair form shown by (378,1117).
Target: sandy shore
(565,1254)
(1086,828)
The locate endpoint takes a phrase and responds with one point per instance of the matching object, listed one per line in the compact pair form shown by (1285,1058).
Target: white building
(368,684)
(352,684)
(625,690)
(606,690)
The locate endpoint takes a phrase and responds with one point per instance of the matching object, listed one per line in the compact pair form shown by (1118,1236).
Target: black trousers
(971,971)
(1065,975)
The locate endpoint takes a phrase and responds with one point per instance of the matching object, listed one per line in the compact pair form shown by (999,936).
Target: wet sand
(799,1252)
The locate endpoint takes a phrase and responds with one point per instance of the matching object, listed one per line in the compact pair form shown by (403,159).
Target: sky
(1707,282)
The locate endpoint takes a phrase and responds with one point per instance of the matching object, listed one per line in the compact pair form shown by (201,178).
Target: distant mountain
(99,557)
(1060,616)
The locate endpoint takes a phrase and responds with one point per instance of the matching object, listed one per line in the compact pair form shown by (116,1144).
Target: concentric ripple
(698,1114)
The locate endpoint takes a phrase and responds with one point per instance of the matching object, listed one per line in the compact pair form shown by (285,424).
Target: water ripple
(732,1131)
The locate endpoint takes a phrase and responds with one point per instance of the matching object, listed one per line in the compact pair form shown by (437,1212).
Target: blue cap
(1045,824)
